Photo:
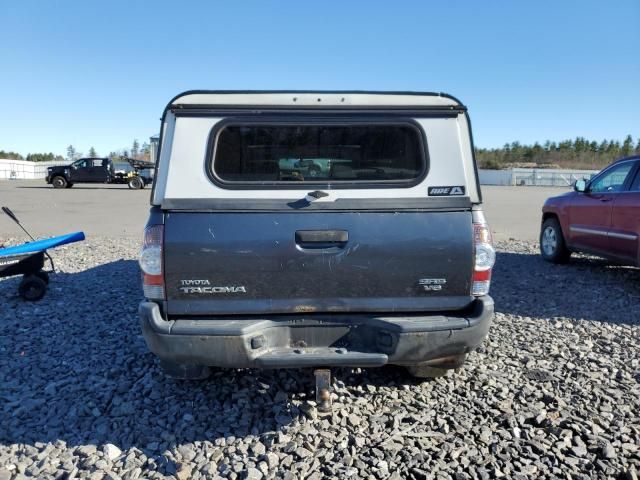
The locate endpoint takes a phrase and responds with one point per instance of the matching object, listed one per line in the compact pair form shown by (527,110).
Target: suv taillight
(485,257)
(151,263)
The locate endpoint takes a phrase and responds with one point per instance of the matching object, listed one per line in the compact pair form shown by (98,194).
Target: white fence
(533,177)
(495,177)
(23,170)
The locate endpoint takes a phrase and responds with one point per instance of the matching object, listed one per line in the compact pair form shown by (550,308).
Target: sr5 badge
(432,284)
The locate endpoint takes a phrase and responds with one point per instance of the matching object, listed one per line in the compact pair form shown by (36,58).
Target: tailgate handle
(324,237)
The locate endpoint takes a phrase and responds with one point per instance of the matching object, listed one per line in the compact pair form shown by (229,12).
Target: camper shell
(292,229)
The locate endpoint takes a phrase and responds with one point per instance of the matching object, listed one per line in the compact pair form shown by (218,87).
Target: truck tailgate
(303,262)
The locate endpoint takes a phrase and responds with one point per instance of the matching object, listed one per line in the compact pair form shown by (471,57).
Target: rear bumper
(294,341)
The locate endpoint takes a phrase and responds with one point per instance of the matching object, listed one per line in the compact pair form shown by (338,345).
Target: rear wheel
(32,288)
(552,246)
(314,170)
(136,183)
(43,275)
(59,182)
(181,371)
(426,371)
(440,369)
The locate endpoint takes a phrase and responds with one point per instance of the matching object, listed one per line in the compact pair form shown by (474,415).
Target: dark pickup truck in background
(134,173)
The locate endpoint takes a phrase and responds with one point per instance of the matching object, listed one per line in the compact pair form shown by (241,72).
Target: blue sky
(100,73)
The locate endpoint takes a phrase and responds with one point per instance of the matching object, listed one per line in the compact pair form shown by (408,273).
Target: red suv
(601,216)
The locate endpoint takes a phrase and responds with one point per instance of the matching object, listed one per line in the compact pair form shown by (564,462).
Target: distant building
(24,170)
(154,144)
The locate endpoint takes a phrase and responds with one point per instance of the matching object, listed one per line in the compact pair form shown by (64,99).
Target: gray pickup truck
(315,229)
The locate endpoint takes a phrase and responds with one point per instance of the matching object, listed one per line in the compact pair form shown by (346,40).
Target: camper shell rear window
(336,154)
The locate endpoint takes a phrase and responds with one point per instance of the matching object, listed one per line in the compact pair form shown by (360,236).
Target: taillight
(485,256)
(151,263)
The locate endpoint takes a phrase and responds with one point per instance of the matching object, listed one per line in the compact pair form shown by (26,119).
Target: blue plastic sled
(41,245)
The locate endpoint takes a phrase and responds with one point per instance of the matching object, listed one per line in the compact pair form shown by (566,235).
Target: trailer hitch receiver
(323,389)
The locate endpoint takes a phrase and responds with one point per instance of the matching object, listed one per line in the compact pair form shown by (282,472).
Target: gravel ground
(553,393)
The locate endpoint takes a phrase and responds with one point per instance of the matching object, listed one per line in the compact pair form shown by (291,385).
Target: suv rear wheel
(59,182)
(552,246)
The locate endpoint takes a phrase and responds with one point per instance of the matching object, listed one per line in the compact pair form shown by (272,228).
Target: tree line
(137,151)
(579,153)
(32,157)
